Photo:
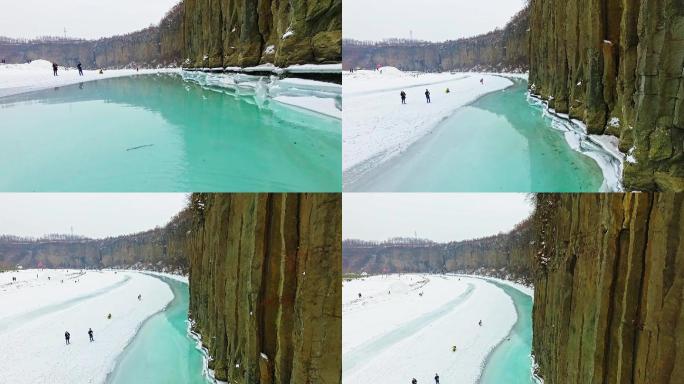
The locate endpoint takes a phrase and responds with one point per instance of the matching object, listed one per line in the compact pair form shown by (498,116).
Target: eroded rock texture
(500,50)
(609,287)
(618,65)
(507,255)
(265,286)
(245,33)
(160,45)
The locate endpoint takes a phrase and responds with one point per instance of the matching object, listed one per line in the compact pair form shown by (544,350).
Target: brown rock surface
(246,33)
(265,278)
(609,287)
(619,60)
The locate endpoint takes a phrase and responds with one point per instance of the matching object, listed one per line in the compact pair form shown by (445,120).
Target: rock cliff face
(500,50)
(618,65)
(609,288)
(507,255)
(222,33)
(155,249)
(161,45)
(265,291)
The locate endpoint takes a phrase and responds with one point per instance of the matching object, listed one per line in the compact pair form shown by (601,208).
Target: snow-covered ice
(36,311)
(377,126)
(317,96)
(602,148)
(393,334)
(314,68)
(37,75)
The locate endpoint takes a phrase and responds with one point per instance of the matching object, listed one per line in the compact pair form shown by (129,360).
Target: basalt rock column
(224,33)
(617,65)
(609,288)
(265,292)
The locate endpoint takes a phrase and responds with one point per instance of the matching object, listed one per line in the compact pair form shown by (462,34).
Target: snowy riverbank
(37,311)
(377,126)
(602,148)
(21,78)
(309,95)
(392,333)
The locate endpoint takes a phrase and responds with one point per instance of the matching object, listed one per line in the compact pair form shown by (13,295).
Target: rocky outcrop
(265,290)
(245,33)
(157,249)
(500,50)
(507,255)
(617,65)
(161,45)
(609,288)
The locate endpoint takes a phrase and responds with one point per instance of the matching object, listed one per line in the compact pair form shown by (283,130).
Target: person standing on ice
(54,69)
(403,97)
(67,336)
(480,323)
(90,334)
(482,81)
(436,378)
(427,96)
(414,381)
(80,69)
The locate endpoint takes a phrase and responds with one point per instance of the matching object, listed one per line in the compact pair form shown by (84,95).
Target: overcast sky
(439,217)
(432,20)
(82,18)
(95,215)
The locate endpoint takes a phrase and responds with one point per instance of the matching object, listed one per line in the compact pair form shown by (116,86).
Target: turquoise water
(500,143)
(510,361)
(162,352)
(158,133)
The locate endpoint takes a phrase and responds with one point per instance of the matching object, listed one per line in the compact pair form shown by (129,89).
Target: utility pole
(411,35)
(65,33)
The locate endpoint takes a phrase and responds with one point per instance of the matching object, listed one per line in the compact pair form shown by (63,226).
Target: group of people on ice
(414,381)
(427,93)
(427,96)
(79,66)
(453,349)
(67,336)
(55,69)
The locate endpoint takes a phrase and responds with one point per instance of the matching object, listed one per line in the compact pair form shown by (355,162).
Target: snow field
(34,349)
(392,334)
(377,126)
(37,75)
